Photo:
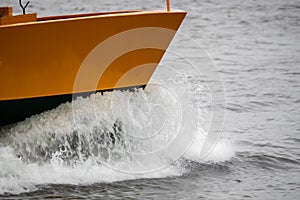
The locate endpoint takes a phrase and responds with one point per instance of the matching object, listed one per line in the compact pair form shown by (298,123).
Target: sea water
(121,144)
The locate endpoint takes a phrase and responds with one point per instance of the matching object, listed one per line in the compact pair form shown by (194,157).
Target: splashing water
(117,136)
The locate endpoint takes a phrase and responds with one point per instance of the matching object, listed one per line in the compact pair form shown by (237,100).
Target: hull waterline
(43,63)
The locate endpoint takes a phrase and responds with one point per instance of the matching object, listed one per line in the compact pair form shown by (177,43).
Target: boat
(45,61)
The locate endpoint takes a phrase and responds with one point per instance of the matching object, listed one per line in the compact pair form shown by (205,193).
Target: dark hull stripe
(12,111)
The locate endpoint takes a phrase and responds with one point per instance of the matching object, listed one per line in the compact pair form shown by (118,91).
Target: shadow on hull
(12,111)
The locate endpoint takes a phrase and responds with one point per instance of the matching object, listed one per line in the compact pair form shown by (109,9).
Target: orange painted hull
(43,63)
(71,54)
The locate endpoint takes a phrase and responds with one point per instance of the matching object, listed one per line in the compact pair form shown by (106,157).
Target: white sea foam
(18,177)
(106,138)
(222,151)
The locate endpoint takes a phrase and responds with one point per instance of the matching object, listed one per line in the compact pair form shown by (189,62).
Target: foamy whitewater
(116,136)
(146,144)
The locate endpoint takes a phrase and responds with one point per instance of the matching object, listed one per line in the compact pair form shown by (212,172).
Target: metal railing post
(168,5)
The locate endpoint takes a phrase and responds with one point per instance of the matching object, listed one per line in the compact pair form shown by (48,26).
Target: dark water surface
(256,48)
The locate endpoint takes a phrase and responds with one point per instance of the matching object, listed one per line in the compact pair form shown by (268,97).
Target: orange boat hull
(65,55)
